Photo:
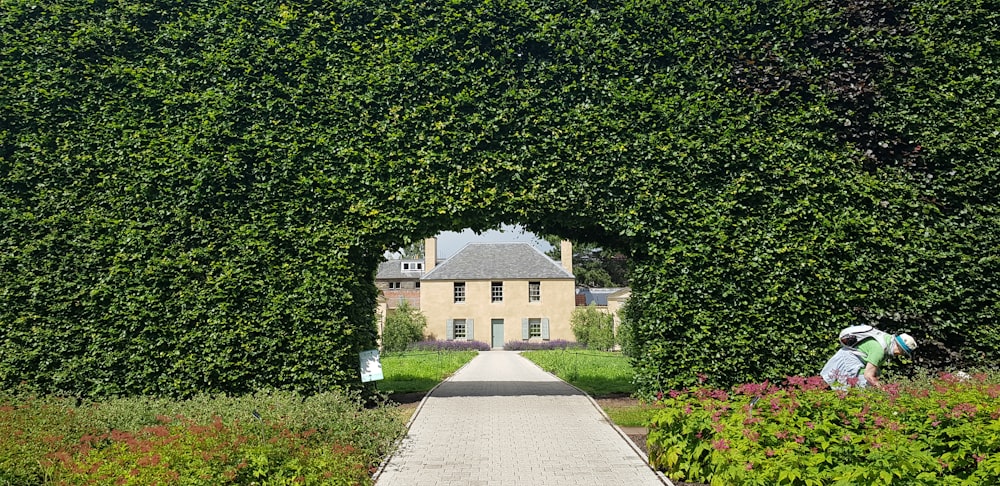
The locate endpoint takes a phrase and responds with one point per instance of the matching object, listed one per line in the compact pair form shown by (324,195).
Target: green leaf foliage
(194,196)
(403,325)
(593,328)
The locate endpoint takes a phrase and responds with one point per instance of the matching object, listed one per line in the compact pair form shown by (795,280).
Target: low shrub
(272,437)
(593,328)
(438,345)
(921,432)
(404,326)
(541,345)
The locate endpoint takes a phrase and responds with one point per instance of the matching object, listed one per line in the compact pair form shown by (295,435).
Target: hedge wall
(195,195)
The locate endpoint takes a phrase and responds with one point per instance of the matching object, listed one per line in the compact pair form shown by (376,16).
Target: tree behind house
(403,326)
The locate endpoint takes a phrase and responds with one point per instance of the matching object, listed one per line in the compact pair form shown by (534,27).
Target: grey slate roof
(393,270)
(498,261)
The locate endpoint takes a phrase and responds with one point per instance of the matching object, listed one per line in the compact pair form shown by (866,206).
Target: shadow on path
(452,389)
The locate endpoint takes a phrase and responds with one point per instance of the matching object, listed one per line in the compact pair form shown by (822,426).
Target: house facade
(498,292)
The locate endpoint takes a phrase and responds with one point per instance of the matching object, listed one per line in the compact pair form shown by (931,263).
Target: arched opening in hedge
(195,197)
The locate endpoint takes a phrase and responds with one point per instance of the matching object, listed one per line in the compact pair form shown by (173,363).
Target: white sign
(371,367)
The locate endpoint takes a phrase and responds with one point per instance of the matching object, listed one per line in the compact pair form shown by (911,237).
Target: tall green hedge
(194,195)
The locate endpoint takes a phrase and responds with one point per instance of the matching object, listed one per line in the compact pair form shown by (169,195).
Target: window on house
(534,291)
(460,331)
(413,266)
(394,285)
(416,285)
(534,328)
(496,291)
(459,291)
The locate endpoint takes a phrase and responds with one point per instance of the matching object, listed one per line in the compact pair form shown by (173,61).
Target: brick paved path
(503,421)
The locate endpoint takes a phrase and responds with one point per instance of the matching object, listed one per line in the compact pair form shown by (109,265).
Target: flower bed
(265,438)
(438,345)
(541,345)
(924,432)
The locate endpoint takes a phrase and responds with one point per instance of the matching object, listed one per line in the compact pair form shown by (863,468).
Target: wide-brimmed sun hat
(906,343)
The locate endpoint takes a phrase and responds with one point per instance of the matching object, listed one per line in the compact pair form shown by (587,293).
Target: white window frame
(460,332)
(496,291)
(528,323)
(534,327)
(534,291)
(395,285)
(412,266)
(459,292)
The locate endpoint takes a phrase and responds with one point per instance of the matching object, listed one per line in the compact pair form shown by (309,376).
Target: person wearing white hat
(859,365)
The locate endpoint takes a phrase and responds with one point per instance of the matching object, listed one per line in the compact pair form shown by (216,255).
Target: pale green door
(497,334)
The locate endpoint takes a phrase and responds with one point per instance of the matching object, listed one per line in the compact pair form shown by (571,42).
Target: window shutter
(524,328)
(450,330)
(545,328)
(469,328)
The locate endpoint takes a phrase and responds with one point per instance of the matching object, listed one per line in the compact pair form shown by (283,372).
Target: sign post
(371,367)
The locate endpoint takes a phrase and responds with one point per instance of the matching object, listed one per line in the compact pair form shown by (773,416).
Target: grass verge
(599,373)
(419,371)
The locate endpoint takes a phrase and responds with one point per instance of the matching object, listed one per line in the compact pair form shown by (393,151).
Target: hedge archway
(194,196)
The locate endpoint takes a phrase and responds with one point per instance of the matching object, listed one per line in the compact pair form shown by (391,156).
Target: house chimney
(430,253)
(566,255)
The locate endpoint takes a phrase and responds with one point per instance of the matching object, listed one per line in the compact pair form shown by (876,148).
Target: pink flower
(964,409)
(721,445)
(749,466)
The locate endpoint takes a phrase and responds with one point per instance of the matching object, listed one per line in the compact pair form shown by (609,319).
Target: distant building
(399,280)
(490,292)
(595,295)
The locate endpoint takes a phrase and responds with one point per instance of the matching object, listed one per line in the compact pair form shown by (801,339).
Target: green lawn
(633,415)
(598,373)
(419,371)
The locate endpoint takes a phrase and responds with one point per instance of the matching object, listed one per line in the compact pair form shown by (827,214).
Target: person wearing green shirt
(859,366)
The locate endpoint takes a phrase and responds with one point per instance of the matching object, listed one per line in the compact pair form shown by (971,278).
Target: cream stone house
(498,292)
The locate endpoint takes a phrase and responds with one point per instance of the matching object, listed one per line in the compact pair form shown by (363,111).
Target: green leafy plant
(276,437)
(404,326)
(593,328)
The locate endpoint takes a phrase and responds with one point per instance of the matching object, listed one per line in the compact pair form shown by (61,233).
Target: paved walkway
(503,421)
